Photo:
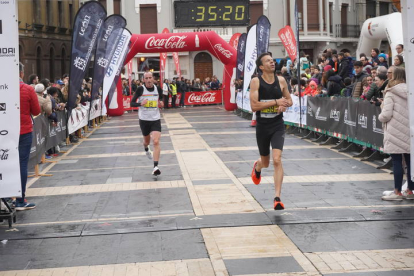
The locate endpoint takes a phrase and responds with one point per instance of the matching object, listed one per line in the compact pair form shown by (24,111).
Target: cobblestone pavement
(103,213)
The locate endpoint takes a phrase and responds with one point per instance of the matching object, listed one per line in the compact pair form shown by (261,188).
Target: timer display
(211,13)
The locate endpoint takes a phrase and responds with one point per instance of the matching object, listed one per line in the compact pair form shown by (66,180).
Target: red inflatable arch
(184,42)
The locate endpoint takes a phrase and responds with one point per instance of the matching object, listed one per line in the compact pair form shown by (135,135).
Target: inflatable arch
(374,30)
(185,42)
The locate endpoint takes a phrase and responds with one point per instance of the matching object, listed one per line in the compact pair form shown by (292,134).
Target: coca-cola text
(173,42)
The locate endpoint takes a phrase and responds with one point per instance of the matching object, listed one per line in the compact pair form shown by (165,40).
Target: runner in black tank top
(269,97)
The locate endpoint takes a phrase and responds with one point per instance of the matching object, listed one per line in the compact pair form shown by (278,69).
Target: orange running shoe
(278,205)
(254,177)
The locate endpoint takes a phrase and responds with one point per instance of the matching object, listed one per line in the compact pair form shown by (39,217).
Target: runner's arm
(254,97)
(160,97)
(138,93)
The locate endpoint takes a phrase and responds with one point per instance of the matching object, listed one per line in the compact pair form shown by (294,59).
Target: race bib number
(270,112)
(151,104)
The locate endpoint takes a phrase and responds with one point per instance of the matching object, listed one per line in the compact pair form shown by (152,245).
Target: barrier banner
(105,49)
(200,98)
(56,134)
(87,27)
(318,112)
(350,116)
(10,185)
(177,100)
(239,99)
(292,114)
(369,128)
(95,109)
(40,134)
(246,102)
(78,118)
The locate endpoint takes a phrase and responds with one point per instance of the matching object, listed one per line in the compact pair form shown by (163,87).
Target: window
(384,8)
(117,6)
(148,19)
(49,14)
(60,14)
(256,10)
(70,15)
(52,64)
(313,15)
(371,9)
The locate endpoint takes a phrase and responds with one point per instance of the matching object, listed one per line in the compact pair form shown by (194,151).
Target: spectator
(33,80)
(382,60)
(286,75)
(366,64)
(347,54)
(317,74)
(44,100)
(125,87)
(366,83)
(304,62)
(374,56)
(334,83)
(381,83)
(46,83)
(394,115)
(173,87)
(215,84)
(357,82)
(347,91)
(311,90)
(29,106)
(307,73)
(197,85)
(400,49)
(166,91)
(183,86)
(374,72)
(399,61)
(343,66)
(335,62)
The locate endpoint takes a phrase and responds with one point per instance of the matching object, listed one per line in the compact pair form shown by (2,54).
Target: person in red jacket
(29,106)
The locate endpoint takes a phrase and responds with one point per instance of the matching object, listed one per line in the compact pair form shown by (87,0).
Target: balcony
(225,33)
(352,31)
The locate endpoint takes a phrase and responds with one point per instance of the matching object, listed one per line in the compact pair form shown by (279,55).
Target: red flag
(287,37)
(177,64)
(130,76)
(234,40)
(163,60)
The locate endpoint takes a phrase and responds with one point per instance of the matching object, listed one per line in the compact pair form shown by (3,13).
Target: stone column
(305,17)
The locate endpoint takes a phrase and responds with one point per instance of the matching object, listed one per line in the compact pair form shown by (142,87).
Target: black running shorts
(149,126)
(267,135)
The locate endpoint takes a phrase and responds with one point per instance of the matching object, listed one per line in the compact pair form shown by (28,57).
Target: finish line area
(103,213)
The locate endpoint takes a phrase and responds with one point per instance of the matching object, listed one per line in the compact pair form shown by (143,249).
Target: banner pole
(298,61)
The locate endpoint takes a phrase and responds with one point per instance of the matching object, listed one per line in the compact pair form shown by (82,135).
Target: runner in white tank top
(150,100)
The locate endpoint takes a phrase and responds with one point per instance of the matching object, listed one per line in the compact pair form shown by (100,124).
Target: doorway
(203,66)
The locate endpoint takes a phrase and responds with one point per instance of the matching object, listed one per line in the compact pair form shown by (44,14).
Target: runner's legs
(156,135)
(278,171)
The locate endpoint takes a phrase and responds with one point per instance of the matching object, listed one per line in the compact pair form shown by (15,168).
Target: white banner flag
(10,185)
(115,65)
(249,63)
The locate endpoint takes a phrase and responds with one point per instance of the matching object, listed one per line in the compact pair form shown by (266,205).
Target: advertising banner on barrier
(246,102)
(239,99)
(95,109)
(56,133)
(200,98)
(353,118)
(87,27)
(10,185)
(292,114)
(78,118)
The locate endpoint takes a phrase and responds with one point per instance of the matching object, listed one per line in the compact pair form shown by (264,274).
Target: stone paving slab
(102,250)
(376,273)
(262,265)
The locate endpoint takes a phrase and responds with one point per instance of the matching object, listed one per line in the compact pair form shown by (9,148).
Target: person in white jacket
(395,119)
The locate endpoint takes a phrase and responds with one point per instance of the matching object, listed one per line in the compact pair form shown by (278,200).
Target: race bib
(151,104)
(270,112)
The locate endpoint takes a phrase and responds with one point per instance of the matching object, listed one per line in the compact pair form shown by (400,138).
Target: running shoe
(156,171)
(254,177)
(278,205)
(24,206)
(393,197)
(149,154)
(407,194)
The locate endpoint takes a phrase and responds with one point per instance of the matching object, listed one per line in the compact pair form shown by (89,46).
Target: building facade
(45,34)
(322,24)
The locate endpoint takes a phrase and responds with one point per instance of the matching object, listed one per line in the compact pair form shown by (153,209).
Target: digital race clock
(211,13)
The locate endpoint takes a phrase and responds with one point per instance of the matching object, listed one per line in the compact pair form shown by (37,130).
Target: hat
(60,82)
(39,88)
(382,55)
(327,68)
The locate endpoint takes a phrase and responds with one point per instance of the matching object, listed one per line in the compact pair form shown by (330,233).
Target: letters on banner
(292,114)
(10,185)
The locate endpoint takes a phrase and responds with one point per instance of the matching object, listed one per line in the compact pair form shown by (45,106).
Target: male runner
(150,102)
(269,97)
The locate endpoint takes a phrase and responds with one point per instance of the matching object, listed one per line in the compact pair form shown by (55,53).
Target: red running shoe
(254,177)
(278,205)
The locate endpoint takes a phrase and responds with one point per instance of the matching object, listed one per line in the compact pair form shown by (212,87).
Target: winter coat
(343,68)
(334,85)
(358,89)
(394,116)
(45,104)
(29,106)
(350,67)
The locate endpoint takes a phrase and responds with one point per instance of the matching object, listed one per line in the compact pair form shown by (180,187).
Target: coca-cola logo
(225,52)
(4,154)
(208,97)
(176,42)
